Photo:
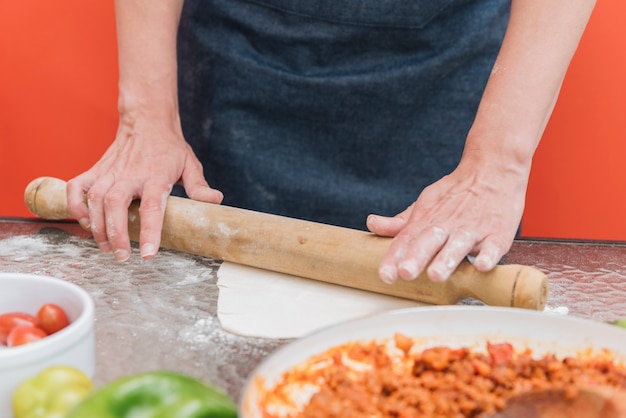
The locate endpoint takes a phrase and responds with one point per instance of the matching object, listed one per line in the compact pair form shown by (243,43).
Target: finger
(420,250)
(457,247)
(489,255)
(151,212)
(95,204)
(410,253)
(197,187)
(75,194)
(207,194)
(388,268)
(116,203)
(386,226)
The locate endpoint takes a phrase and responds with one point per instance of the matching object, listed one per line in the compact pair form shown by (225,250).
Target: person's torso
(331,109)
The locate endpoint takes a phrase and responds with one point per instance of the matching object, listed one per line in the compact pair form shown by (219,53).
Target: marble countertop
(161,314)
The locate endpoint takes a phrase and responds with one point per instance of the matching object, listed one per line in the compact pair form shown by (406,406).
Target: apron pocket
(376,13)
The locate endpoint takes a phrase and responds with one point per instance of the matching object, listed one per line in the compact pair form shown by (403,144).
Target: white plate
(454,326)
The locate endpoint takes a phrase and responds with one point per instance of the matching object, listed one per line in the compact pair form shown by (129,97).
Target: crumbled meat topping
(372,380)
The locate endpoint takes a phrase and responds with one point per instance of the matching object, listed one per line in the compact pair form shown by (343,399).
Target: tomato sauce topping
(372,380)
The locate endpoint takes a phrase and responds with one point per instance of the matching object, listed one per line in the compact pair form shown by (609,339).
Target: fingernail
(121,255)
(388,274)
(437,273)
(84,223)
(408,269)
(148,250)
(484,263)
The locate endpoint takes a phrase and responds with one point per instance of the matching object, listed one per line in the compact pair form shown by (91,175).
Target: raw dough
(260,303)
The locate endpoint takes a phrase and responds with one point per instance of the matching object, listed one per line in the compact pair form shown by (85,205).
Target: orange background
(577,185)
(58,89)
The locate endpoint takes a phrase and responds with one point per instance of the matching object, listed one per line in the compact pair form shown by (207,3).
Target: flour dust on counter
(22,247)
(254,302)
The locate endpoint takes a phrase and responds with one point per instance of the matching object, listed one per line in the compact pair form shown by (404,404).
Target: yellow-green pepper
(51,394)
(621,322)
(157,394)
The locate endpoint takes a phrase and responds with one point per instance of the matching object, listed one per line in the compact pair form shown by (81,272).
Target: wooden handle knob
(45,198)
(316,251)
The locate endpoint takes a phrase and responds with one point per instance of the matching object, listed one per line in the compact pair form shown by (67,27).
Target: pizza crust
(259,303)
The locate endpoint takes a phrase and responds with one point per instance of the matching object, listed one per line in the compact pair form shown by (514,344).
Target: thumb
(386,226)
(197,188)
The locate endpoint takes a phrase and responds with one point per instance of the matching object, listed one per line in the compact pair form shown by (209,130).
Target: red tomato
(8,321)
(23,334)
(52,318)
(501,353)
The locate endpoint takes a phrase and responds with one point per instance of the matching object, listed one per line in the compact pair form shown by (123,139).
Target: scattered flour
(24,247)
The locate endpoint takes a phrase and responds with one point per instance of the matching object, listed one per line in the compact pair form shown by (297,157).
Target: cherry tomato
(52,318)
(8,321)
(24,334)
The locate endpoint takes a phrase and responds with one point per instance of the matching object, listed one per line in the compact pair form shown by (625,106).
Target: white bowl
(71,346)
(454,326)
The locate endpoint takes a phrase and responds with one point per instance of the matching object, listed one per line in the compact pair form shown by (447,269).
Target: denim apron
(329,110)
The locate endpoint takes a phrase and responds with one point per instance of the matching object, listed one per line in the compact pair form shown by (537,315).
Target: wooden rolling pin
(312,250)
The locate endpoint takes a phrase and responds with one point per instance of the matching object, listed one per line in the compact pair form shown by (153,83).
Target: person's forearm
(540,41)
(146,33)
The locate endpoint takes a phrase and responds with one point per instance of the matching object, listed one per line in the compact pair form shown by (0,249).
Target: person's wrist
(496,164)
(135,105)
(141,100)
(503,149)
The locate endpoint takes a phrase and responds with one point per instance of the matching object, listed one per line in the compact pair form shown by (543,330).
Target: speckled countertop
(161,314)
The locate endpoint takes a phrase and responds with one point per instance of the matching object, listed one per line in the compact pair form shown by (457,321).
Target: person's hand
(144,162)
(475,210)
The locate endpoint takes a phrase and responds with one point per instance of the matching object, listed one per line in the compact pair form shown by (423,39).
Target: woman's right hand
(146,159)
(149,154)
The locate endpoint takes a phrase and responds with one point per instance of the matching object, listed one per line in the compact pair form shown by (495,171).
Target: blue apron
(329,110)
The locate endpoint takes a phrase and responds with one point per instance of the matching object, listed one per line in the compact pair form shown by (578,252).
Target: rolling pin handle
(530,290)
(509,285)
(45,197)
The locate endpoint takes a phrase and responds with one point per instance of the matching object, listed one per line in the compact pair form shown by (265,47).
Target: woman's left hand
(477,208)
(472,211)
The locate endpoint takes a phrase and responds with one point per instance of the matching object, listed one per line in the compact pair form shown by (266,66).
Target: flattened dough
(259,303)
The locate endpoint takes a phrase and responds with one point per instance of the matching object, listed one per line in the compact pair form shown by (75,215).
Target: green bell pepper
(619,322)
(158,394)
(51,393)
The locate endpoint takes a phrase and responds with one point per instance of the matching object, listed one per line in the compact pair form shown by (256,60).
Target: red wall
(58,114)
(58,91)
(578,181)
